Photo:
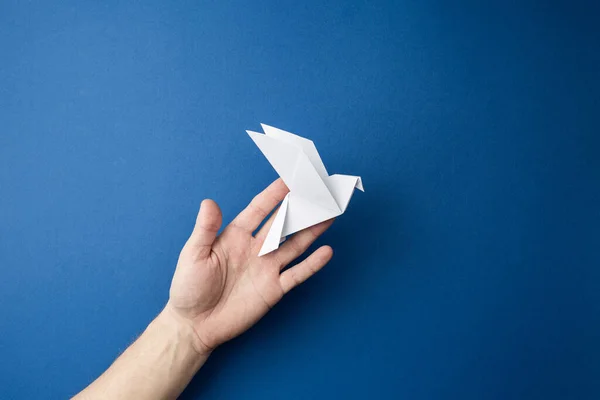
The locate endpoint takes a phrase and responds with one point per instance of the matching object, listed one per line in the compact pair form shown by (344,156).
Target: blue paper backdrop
(469,269)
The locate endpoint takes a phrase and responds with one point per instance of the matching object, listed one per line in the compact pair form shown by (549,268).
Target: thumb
(207,226)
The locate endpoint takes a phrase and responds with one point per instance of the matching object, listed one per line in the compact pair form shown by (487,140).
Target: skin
(220,289)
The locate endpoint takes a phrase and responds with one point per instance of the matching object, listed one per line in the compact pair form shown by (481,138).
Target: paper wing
(306,145)
(274,236)
(293,215)
(295,168)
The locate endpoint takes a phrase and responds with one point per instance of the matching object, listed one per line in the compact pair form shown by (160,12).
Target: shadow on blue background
(468,269)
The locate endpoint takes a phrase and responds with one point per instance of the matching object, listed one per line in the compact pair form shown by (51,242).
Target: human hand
(221,287)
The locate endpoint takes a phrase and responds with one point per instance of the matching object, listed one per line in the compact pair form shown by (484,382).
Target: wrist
(183,330)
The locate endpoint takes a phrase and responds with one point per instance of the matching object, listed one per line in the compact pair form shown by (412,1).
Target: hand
(221,287)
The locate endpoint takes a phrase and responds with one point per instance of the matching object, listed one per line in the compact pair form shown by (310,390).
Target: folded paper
(315,196)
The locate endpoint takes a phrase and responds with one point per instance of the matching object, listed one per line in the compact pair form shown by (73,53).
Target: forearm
(158,365)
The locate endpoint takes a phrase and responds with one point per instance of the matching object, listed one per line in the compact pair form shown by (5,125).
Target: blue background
(469,269)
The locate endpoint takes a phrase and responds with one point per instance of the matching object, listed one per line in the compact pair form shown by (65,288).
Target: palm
(221,285)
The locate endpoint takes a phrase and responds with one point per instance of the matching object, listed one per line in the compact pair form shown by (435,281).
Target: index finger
(260,206)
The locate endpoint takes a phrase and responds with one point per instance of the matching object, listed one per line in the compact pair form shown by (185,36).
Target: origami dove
(314,196)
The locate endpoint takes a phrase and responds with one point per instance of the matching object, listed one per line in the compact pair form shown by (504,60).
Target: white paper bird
(314,196)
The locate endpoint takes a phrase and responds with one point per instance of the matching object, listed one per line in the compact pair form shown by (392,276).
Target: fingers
(260,206)
(297,244)
(207,226)
(299,273)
